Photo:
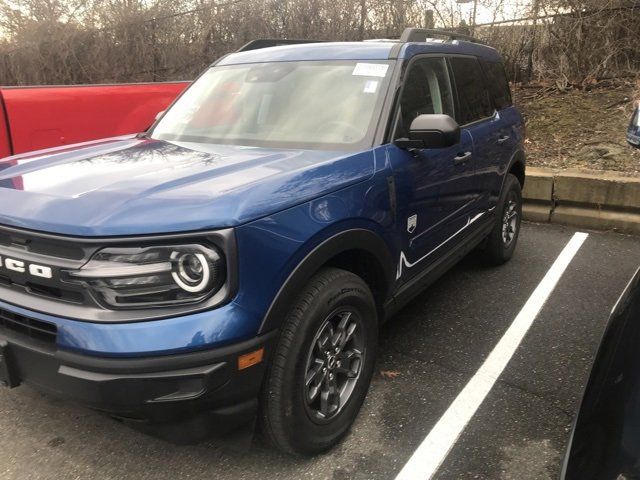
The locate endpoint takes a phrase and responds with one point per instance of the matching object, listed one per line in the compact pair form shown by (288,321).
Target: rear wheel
(502,240)
(323,364)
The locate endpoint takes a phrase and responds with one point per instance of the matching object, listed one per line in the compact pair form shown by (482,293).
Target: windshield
(315,105)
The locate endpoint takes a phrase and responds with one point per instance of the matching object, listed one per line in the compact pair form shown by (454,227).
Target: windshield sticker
(370,86)
(370,69)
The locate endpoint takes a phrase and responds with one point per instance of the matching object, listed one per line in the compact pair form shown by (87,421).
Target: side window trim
(395,118)
(455,88)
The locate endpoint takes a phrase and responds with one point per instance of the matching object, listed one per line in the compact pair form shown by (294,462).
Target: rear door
(506,137)
(477,116)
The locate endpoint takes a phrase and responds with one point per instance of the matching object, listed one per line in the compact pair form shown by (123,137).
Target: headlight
(192,272)
(153,276)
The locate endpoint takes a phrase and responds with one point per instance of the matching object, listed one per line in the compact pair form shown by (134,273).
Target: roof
(382,50)
(313,51)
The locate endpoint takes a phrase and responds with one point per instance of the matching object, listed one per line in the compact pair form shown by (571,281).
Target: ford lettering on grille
(21,266)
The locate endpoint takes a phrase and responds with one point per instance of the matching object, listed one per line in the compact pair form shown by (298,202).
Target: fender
(360,239)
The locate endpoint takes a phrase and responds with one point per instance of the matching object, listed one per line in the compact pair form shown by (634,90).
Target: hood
(136,186)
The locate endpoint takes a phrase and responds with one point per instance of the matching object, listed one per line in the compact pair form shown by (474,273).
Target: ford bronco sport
(234,262)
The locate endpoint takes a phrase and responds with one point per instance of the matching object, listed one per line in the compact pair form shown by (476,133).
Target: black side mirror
(431,131)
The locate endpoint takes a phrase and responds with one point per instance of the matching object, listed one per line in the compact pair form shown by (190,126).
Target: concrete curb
(596,200)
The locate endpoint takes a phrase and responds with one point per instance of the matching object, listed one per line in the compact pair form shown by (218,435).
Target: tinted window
(426,90)
(472,94)
(498,84)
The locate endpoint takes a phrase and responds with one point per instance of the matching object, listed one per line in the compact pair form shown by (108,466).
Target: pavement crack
(537,394)
(430,361)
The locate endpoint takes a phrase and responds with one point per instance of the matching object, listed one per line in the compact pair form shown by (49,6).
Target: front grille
(31,327)
(46,294)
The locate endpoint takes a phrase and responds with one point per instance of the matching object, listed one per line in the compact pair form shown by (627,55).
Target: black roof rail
(421,35)
(272,42)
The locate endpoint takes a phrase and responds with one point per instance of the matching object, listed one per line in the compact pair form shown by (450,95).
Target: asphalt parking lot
(428,353)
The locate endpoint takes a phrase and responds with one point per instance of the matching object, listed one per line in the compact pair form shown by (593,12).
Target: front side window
(427,89)
(312,104)
(473,97)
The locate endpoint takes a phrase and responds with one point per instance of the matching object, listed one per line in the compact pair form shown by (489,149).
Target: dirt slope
(580,129)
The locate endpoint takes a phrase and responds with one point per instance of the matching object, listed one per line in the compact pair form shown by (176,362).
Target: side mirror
(431,131)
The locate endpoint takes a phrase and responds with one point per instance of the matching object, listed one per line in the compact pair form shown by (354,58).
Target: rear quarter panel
(44,117)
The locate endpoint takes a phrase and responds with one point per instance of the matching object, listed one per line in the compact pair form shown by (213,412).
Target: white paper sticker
(370,86)
(370,69)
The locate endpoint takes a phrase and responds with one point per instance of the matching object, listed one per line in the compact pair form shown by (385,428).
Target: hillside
(582,129)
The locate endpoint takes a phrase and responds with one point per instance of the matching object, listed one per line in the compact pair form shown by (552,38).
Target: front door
(435,187)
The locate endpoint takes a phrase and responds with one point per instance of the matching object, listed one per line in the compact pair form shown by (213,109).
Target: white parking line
(426,460)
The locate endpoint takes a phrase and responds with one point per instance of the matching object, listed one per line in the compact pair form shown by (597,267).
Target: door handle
(503,139)
(462,158)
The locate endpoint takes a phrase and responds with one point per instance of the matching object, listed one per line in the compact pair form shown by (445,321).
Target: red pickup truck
(34,118)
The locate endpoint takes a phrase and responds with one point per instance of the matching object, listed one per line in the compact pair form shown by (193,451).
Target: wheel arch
(359,251)
(517,167)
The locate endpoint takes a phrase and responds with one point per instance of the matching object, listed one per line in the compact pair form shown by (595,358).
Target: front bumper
(633,139)
(202,390)
(206,330)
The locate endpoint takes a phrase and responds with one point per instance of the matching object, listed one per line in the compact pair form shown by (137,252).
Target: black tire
(287,419)
(499,249)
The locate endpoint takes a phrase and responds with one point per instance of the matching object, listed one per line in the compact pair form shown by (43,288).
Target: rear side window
(472,95)
(498,84)
(427,90)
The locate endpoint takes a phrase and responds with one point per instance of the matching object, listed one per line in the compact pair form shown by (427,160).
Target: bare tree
(92,41)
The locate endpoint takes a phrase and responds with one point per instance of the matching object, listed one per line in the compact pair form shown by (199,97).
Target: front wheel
(502,240)
(323,364)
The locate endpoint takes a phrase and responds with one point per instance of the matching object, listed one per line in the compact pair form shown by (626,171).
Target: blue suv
(235,261)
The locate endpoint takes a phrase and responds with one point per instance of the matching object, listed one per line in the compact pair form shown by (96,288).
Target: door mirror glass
(431,131)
